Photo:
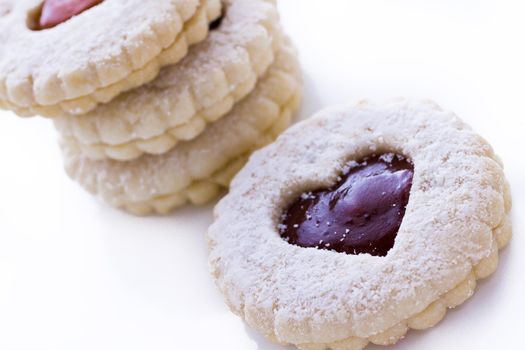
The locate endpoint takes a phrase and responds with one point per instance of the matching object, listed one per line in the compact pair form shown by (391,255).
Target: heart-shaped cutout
(360,214)
(55,12)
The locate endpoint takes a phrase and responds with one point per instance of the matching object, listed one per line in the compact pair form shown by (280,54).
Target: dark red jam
(216,23)
(362,213)
(55,12)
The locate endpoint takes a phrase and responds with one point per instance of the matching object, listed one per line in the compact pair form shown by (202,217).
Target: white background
(75,274)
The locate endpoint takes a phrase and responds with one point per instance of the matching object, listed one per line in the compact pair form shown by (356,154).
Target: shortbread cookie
(360,223)
(185,97)
(111,47)
(196,170)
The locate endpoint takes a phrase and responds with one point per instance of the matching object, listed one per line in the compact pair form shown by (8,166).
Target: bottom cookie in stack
(197,170)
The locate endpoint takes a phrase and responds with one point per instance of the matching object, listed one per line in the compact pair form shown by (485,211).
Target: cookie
(106,48)
(184,98)
(196,170)
(360,223)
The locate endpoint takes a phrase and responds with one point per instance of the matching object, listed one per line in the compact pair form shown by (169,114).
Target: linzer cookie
(184,98)
(360,223)
(69,56)
(196,170)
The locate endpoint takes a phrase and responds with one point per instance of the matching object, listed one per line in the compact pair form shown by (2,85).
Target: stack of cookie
(157,104)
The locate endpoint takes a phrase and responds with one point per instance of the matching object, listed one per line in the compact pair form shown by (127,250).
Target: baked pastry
(184,98)
(360,223)
(196,170)
(110,46)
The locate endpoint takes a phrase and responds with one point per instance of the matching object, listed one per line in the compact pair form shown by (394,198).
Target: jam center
(216,23)
(360,214)
(55,12)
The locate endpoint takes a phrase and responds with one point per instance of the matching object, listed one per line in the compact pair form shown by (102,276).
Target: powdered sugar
(253,122)
(101,47)
(202,87)
(304,295)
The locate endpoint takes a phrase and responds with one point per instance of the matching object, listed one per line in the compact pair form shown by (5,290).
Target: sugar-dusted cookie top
(202,88)
(192,170)
(52,53)
(360,223)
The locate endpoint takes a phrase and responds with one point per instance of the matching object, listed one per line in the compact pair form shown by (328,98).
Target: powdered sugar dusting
(99,47)
(217,72)
(248,126)
(304,295)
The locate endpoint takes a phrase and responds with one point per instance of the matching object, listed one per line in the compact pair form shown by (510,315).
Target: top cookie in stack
(148,122)
(100,49)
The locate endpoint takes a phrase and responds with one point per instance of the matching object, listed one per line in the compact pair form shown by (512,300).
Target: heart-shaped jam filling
(360,214)
(55,12)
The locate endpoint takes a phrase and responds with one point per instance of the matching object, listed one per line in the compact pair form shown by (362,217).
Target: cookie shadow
(263,343)
(312,99)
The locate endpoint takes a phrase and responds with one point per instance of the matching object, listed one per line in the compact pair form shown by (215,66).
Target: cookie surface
(456,219)
(184,98)
(196,170)
(114,46)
